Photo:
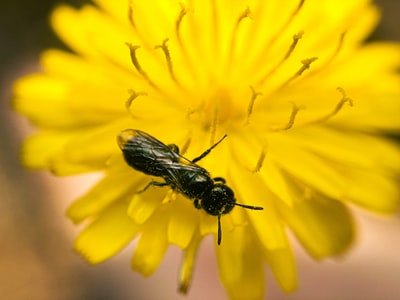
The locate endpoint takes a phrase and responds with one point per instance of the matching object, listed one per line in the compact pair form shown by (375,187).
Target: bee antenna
(249,206)
(237,204)
(219,230)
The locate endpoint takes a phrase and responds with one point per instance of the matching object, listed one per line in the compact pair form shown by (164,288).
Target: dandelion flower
(304,103)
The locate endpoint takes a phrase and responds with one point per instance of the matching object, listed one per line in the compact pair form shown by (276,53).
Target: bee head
(219,201)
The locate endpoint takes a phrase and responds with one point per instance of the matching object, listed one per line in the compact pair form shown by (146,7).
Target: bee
(150,156)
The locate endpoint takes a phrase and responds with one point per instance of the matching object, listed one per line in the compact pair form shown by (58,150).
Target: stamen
(132,50)
(260,161)
(306,65)
(251,103)
(334,54)
(295,110)
(130,14)
(336,110)
(245,14)
(338,106)
(287,23)
(295,12)
(182,13)
(178,25)
(338,48)
(167,55)
(213,126)
(185,146)
(296,39)
(133,95)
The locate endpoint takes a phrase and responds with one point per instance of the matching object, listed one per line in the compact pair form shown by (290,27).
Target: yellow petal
(120,181)
(152,244)
(324,226)
(240,265)
(266,222)
(144,204)
(187,265)
(208,224)
(248,151)
(352,149)
(308,167)
(283,265)
(77,28)
(276,181)
(66,23)
(42,99)
(37,149)
(68,105)
(183,223)
(117,8)
(372,190)
(46,150)
(92,147)
(107,235)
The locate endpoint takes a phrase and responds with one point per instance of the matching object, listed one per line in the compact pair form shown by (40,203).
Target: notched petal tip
(107,235)
(85,255)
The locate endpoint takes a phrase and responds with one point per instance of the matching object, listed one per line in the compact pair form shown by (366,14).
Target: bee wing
(180,175)
(145,153)
(135,139)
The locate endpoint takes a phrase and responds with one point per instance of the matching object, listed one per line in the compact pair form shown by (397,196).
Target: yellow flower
(303,102)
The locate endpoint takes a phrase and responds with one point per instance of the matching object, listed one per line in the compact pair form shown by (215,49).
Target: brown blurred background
(36,257)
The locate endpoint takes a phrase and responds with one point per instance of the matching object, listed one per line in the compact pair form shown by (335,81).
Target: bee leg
(219,230)
(219,179)
(152,183)
(197,203)
(173,148)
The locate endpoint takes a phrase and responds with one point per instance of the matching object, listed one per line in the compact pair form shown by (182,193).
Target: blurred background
(36,257)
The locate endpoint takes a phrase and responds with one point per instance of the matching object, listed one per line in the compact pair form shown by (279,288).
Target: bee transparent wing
(145,153)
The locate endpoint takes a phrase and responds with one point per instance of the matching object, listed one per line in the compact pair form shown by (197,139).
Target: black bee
(152,157)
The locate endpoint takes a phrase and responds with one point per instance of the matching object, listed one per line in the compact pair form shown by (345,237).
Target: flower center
(216,110)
